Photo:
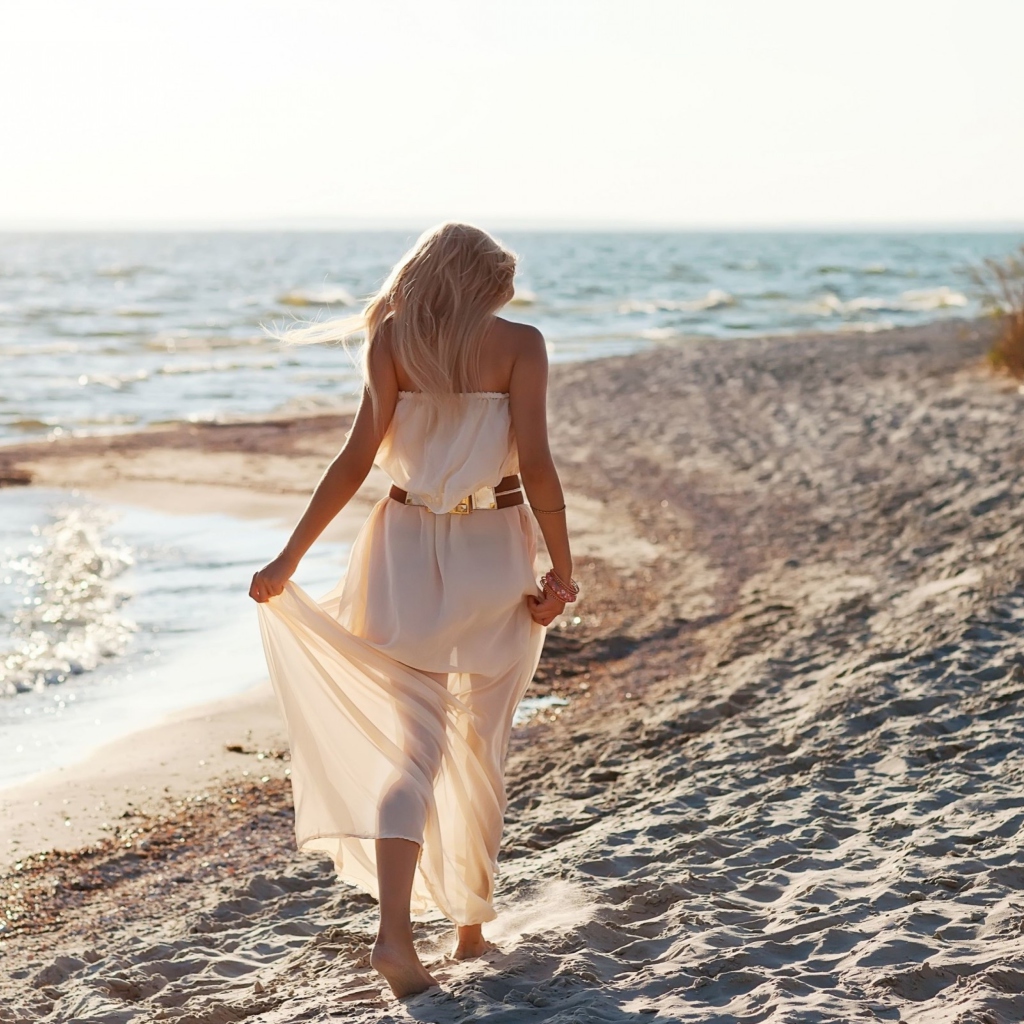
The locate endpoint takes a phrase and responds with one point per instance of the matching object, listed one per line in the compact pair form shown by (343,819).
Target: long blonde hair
(433,309)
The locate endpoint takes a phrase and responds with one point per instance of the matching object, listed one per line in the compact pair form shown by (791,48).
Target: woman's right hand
(269,581)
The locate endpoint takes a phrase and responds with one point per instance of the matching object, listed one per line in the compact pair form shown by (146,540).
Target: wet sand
(788,784)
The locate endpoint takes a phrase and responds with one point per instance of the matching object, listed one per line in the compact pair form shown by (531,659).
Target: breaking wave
(114,381)
(333,295)
(136,311)
(714,299)
(659,334)
(116,270)
(918,301)
(217,366)
(70,619)
(523,297)
(182,341)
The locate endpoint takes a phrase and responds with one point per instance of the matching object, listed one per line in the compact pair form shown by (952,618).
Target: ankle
(395,938)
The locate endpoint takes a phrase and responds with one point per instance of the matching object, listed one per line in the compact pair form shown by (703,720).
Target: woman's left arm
(340,481)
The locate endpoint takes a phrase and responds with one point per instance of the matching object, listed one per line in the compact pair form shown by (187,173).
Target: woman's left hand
(269,581)
(544,609)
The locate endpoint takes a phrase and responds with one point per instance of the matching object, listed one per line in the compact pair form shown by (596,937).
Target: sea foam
(70,619)
(331,295)
(714,299)
(916,301)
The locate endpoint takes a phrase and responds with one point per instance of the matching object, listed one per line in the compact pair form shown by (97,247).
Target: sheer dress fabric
(399,686)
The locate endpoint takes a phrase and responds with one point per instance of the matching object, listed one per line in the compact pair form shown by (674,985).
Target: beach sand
(788,781)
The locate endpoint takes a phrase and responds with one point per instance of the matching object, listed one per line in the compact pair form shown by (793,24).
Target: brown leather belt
(505,493)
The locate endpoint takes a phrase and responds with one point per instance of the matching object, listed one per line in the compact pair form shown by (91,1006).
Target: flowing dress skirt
(399,688)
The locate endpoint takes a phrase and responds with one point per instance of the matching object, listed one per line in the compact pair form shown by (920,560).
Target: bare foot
(470,947)
(401,969)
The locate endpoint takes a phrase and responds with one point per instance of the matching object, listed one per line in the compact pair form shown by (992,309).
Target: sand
(788,782)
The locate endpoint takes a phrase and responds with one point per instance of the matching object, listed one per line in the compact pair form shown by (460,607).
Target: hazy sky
(655,112)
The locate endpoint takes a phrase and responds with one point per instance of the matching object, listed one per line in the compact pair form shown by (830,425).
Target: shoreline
(190,469)
(343,414)
(794,698)
(142,772)
(146,469)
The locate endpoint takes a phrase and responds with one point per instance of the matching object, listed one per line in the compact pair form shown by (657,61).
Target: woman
(399,687)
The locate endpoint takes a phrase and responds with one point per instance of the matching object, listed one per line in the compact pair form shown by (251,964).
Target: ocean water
(111,616)
(109,332)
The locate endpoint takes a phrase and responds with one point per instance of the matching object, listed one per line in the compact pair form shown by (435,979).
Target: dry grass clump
(1000,285)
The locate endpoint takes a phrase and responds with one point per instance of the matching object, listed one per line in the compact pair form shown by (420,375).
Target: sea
(111,616)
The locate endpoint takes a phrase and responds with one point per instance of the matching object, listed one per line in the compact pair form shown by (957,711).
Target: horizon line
(315,225)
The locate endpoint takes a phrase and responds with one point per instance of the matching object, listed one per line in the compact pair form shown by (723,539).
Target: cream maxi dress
(399,687)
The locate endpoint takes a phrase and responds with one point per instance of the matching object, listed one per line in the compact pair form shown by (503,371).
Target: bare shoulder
(519,339)
(382,350)
(511,351)
(381,357)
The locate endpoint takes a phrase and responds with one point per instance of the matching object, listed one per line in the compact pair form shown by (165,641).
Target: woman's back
(513,368)
(442,459)
(499,347)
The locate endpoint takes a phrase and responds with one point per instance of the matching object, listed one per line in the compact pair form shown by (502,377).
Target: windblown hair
(432,310)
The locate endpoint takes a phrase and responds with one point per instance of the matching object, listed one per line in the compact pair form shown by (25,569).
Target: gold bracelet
(548,511)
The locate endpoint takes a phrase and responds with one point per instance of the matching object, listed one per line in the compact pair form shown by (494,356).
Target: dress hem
(357,883)
(353,835)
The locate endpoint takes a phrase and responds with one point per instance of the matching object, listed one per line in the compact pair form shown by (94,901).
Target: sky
(645,113)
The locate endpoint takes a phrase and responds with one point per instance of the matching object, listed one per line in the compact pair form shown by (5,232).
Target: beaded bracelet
(565,592)
(548,511)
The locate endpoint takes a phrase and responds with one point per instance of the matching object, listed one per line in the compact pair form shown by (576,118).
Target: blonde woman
(399,687)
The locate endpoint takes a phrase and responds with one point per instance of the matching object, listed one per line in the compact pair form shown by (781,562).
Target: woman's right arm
(342,478)
(528,407)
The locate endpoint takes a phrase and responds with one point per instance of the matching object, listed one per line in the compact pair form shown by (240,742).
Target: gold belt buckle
(464,507)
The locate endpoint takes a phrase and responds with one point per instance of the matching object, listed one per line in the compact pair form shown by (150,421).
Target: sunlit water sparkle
(113,616)
(166,597)
(103,333)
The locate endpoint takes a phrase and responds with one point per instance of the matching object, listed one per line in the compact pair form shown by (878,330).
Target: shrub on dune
(1000,285)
